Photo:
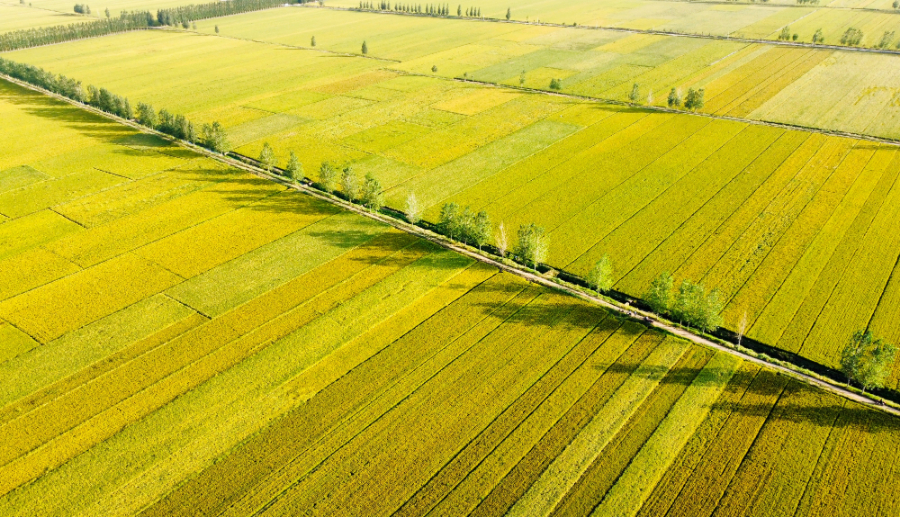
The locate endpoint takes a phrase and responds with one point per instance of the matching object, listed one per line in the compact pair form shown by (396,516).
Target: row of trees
(786,34)
(690,304)
(189,13)
(57,34)
(852,37)
(476,229)
(341,181)
(128,21)
(212,136)
(694,100)
(429,9)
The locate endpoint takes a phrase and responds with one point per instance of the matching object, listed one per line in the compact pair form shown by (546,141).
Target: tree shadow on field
(77,119)
(770,397)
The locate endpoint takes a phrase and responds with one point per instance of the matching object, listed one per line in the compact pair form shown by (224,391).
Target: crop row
(844,226)
(497,360)
(460,483)
(240,473)
(617,457)
(559,477)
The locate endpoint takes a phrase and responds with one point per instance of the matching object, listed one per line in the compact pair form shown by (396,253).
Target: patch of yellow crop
(345,85)
(106,241)
(33,230)
(45,194)
(129,198)
(330,107)
(202,247)
(31,269)
(477,100)
(72,302)
(122,160)
(13,342)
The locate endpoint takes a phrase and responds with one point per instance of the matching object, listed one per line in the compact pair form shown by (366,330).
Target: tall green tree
(818,37)
(327,177)
(294,168)
(659,295)
(215,139)
(532,245)
(508,13)
(312,41)
(674,100)
(349,184)
(635,95)
(867,360)
(600,278)
(694,99)
(695,307)
(365,48)
(448,221)
(146,115)
(481,229)
(372,193)
(267,157)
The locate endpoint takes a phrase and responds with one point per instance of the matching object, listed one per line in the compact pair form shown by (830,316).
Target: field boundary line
(649,319)
(619,29)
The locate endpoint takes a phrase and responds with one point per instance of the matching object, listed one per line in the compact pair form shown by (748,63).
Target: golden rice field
(221,345)
(797,229)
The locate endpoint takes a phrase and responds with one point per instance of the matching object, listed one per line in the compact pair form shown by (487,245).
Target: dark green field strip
(603,473)
(475,452)
(477,484)
(514,484)
(690,457)
(501,364)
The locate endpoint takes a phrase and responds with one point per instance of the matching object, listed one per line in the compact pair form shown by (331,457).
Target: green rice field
(222,345)
(798,230)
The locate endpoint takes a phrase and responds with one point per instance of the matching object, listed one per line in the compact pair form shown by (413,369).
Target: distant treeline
(429,9)
(211,136)
(188,13)
(128,21)
(57,34)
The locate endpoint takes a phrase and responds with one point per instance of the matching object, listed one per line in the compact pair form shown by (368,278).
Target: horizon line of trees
(129,21)
(212,136)
(174,16)
(24,38)
(427,9)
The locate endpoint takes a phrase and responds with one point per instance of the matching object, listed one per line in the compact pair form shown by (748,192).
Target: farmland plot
(193,339)
(742,80)
(770,216)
